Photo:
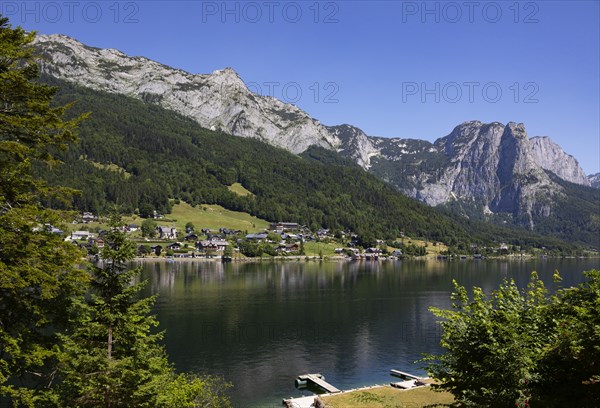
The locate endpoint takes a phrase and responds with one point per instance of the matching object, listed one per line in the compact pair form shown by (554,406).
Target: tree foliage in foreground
(522,347)
(59,348)
(38,274)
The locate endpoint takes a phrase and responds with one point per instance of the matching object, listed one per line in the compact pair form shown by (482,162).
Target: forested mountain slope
(134,154)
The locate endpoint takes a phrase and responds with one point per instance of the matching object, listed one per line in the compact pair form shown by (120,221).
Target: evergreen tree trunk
(110,341)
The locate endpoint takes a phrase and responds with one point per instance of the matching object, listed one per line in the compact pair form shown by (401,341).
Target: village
(281,240)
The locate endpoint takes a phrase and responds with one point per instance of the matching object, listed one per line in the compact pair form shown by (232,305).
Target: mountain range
(492,172)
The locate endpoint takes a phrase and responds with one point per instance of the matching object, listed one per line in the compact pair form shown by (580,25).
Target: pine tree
(114,359)
(38,277)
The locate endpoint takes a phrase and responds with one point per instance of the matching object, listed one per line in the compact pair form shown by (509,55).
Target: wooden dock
(318,380)
(403,375)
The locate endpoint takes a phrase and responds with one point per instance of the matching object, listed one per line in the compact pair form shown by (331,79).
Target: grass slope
(239,190)
(390,397)
(214,217)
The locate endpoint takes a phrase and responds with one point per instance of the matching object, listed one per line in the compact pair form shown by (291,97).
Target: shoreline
(303,258)
(385,395)
(306,401)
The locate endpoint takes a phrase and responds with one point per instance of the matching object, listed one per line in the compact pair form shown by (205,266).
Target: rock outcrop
(552,157)
(594,180)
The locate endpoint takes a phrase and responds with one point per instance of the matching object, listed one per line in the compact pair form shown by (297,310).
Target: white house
(79,235)
(167,232)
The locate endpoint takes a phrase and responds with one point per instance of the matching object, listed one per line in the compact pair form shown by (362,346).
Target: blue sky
(393,68)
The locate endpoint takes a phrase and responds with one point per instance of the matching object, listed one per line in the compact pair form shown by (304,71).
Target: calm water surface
(261,325)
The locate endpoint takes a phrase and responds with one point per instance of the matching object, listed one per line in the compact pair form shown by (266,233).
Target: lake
(260,325)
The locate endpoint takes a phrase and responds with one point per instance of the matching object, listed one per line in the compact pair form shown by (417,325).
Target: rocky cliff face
(552,157)
(490,165)
(218,101)
(355,144)
(493,166)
